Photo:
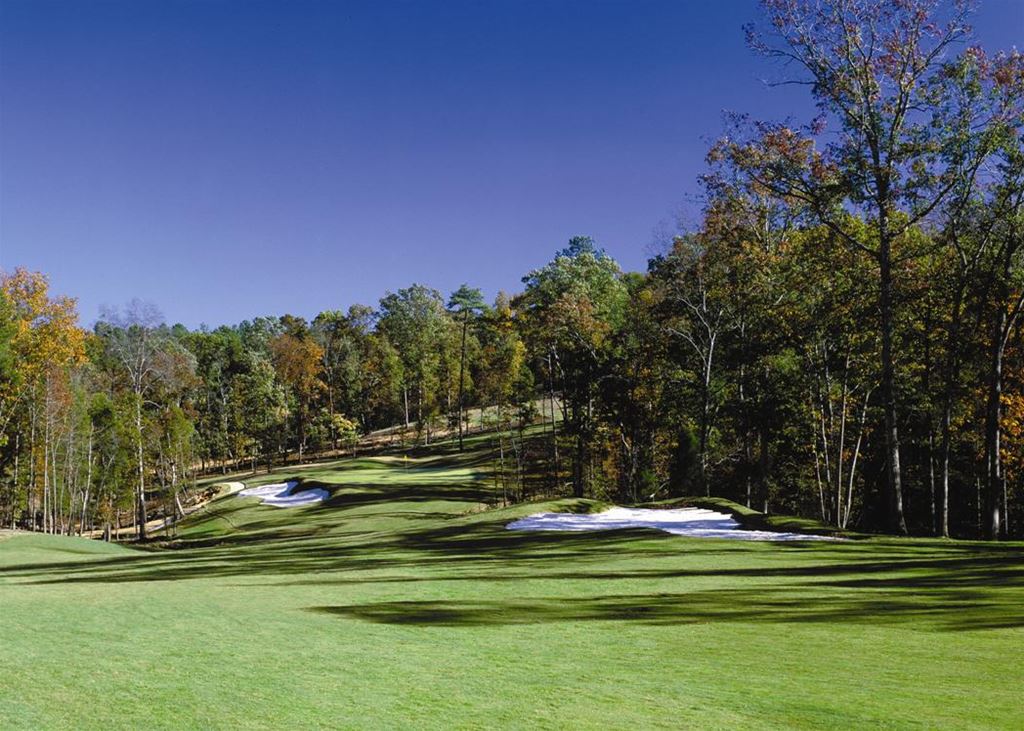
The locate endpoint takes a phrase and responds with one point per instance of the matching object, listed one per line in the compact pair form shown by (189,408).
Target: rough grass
(402,602)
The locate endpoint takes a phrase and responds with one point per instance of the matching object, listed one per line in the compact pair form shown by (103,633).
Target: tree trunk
(140,518)
(892,437)
(842,437)
(14,504)
(46,471)
(704,416)
(554,431)
(951,376)
(993,460)
(501,449)
(853,463)
(88,482)
(30,488)
(462,370)
(930,416)
(931,479)
(577,466)
(763,461)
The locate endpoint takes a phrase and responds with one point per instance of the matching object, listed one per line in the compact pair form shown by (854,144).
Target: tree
(258,410)
(413,320)
(632,397)
(382,383)
(503,385)
(873,67)
(689,290)
(135,341)
(1003,282)
(298,360)
(41,344)
(465,302)
(220,358)
(571,307)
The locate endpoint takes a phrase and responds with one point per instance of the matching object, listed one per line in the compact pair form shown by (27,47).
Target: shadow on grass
(307,552)
(409,525)
(957,611)
(944,586)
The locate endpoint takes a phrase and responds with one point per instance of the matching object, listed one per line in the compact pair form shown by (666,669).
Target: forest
(838,337)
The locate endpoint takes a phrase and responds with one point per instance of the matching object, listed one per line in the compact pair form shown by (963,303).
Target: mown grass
(402,602)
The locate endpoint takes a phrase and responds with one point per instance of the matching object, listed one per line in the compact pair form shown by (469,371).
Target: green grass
(402,602)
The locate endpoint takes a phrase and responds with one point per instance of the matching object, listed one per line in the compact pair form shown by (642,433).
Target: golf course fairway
(402,601)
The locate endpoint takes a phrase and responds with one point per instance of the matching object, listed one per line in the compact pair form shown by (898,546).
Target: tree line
(839,337)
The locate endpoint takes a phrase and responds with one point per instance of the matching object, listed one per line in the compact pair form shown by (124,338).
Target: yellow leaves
(46,332)
(1012,426)
(517,357)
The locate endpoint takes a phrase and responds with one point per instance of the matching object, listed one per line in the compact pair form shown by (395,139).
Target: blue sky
(231,159)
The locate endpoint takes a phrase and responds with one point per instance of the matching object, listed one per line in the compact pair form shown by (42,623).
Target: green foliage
(839,334)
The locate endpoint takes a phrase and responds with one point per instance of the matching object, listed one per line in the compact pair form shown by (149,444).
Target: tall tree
(465,302)
(689,288)
(571,307)
(298,360)
(1003,284)
(872,67)
(135,340)
(413,320)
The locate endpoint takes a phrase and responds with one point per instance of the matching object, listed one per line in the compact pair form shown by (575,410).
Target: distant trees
(258,411)
(330,330)
(841,335)
(298,360)
(414,321)
(632,396)
(571,307)
(220,358)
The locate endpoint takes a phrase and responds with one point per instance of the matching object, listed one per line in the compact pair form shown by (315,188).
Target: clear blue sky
(231,159)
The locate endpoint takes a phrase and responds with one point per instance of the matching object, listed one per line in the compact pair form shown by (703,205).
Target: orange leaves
(298,362)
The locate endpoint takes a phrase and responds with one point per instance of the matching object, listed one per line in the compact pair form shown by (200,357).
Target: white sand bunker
(229,488)
(279,495)
(692,522)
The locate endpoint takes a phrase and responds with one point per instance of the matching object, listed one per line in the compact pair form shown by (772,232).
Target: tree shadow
(413,526)
(949,611)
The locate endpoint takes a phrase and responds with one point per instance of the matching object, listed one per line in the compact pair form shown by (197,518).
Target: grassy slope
(752,519)
(401,603)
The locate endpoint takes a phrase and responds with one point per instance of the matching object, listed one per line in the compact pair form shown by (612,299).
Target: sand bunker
(693,522)
(228,488)
(279,495)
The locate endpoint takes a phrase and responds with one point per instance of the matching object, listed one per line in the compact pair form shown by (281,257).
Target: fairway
(403,602)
